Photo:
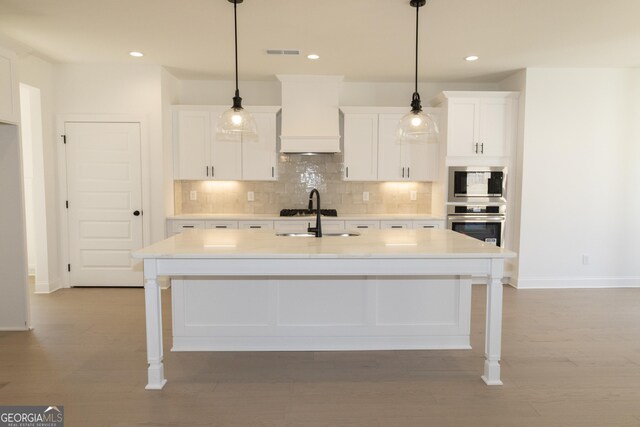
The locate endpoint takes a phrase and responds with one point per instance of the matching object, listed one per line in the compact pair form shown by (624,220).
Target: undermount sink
(345,234)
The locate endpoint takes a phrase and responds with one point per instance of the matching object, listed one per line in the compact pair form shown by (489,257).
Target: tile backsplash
(297,176)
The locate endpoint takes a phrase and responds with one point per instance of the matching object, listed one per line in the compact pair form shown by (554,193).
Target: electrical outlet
(250,196)
(365,196)
(413,195)
(585,260)
(193,195)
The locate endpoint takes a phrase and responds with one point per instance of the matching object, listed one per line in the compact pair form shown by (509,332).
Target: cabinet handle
(403,172)
(221,226)
(396,226)
(476,148)
(347,171)
(188,226)
(362,226)
(273,171)
(212,171)
(482,148)
(255,226)
(207,170)
(408,172)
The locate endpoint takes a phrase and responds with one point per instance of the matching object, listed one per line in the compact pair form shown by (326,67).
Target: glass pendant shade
(236,124)
(417,126)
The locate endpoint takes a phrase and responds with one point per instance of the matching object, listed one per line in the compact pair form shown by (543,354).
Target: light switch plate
(193,195)
(365,196)
(413,195)
(250,196)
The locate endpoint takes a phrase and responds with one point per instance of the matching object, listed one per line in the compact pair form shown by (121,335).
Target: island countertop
(408,243)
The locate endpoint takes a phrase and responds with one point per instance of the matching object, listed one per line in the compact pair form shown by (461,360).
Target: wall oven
(477,184)
(483,222)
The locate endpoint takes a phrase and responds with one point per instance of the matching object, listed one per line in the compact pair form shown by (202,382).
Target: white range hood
(310,115)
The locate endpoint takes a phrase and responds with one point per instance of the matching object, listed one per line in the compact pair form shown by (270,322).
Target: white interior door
(104,189)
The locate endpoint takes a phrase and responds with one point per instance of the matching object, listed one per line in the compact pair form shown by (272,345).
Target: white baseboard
(48,287)
(14,329)
(577,282)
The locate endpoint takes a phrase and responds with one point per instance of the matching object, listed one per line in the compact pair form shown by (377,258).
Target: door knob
(136,213)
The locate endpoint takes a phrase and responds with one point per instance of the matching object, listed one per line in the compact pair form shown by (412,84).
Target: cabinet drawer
(361,225)
(255,225)
(221,224)
(395,224)
(428,224)
(300,226)
(178,226)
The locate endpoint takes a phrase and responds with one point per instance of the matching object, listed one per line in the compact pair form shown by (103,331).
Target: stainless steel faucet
(318,228)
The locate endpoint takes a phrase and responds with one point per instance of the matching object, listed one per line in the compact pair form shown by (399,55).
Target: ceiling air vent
(283,52)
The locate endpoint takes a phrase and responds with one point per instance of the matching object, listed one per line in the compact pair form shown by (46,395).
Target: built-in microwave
(482,184)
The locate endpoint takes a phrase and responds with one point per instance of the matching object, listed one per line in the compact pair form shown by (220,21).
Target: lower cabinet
(176,226)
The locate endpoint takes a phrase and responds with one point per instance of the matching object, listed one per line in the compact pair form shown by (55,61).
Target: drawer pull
(396,226)
(221,226)
(188,226)
(362,226)
(255,226)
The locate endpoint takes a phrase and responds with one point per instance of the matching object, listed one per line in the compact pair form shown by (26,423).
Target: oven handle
(475,218)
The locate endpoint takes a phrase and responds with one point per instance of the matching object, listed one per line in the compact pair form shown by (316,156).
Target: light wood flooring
(570,358)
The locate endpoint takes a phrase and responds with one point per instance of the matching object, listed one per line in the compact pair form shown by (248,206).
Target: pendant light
(236,124)
(416,126)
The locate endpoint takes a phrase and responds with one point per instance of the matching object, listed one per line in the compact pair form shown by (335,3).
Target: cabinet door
(193,145)
(361,147)
(390,156)
(463,127)
(259,157)
(494,131)
(427,224)
(226,156)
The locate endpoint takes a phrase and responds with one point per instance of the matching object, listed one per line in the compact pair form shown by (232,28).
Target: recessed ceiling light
(136,54)
(313,56)
(471,58)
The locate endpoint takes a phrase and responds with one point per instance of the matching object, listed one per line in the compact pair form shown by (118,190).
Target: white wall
(13,253)
(117,89)
(26,126)
(203,92)
(580,179)
(170,96)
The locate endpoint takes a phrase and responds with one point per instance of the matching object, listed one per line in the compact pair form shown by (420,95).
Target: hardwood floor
(570,358)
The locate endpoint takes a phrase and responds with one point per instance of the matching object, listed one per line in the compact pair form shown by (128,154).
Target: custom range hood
(310,116)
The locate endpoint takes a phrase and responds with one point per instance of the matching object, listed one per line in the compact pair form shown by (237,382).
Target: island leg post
(153,310)
(493,331)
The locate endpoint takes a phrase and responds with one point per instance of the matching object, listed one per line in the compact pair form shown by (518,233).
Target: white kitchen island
(236,290)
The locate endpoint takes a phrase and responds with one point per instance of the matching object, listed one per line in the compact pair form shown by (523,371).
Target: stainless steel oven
(477,184)
(483,222)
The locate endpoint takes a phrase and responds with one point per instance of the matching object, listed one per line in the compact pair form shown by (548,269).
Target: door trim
(62,176)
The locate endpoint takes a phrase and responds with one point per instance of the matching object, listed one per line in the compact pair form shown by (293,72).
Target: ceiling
(364,40)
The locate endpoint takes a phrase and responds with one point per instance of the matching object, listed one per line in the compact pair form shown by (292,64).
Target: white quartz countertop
(401,244)
(274,217)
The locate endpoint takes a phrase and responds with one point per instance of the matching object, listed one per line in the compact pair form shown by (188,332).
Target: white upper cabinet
(361,147)
(9,95)
(372,151)
(259,159)
(199,155)
(479,124)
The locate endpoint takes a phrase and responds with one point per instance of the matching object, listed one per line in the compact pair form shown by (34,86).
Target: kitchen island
(239,290)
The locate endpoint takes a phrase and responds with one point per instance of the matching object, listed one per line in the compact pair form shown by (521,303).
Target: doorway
(104,203)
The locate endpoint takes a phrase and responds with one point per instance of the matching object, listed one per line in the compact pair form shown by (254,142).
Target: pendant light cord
(417,21)
(237,101)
